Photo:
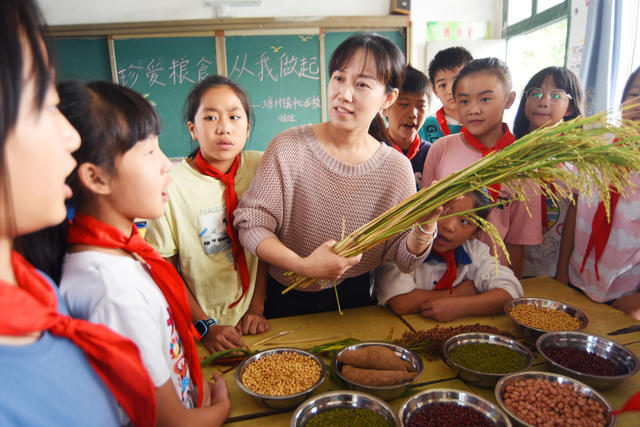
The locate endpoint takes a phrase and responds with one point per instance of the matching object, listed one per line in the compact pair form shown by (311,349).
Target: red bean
(447,414)
(583,361)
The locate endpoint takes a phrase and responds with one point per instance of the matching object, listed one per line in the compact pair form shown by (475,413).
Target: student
(315,178)
(458,277)
(110,274)
(443,70)
(483,92)
(55,370)
(196,234)
(602,258)
(406,117)
(553,94)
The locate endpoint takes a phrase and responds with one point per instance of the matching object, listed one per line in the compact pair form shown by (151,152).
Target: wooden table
(377,323)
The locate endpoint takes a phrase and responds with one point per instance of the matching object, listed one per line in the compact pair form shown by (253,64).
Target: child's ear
(510,99)
(95,178)
(390,98)
(192,130)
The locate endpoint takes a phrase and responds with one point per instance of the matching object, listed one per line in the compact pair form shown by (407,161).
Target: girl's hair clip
(485,191)
(71,212)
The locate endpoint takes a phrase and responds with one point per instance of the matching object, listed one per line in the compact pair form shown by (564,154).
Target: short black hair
(486,65)
(627,86)
(480,199)
(416,82)
(448,59)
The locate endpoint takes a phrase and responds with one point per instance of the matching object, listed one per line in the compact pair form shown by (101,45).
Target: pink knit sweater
(300,194)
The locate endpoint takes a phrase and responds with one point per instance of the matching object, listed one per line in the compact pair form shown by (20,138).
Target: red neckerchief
(32,306)
(543,208)
(505,140)
(600,230)
(633,404)
(87,230)
(442,122)
(231,200)
(449,276)
(413,148)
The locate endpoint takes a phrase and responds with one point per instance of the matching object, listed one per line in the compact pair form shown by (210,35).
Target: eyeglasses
(554,96)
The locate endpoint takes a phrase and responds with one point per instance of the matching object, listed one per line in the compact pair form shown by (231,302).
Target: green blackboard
(164,70)
(281,75)
(333,39)
(82,59)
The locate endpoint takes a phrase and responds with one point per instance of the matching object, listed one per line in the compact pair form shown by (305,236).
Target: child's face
(38,159)
(406,116)
(356,94)
(138,186)
(442,87)
(546,111)
(454,231)
(482,98)
(633,97)
(220,126)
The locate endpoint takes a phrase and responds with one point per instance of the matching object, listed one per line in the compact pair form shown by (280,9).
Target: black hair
(390,67)
(485,65)
(110,119)
(448,59)
(416,82)
(480,199)
(627,86)
(195,98)
(21,44)
(564,79)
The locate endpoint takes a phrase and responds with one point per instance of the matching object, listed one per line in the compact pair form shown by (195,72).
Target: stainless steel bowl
(342,399)
(280,402)
(478,378)
(595,344)
(578,387)
(388,392)
(462,398)
(546,303)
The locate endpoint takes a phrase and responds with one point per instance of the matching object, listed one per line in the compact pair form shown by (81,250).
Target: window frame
(536,21)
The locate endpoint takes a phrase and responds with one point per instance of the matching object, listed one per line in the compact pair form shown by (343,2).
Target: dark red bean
(447,415)
(583,361)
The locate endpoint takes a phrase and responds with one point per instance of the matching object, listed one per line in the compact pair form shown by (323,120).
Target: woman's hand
(325,264)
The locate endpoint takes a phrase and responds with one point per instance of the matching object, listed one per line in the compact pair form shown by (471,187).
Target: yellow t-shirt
(194,226)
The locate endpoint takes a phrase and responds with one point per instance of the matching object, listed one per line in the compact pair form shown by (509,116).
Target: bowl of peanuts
(379,368)
(344,407)
(536,316)
(451,407)
(592,359)
(281,378)
(542,398)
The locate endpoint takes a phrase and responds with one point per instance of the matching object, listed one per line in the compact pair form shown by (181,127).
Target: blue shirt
(51,383)
(431,132)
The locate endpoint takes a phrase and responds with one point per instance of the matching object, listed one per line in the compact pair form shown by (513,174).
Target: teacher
(316,183)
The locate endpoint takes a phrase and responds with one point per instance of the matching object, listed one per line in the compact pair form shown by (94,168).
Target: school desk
(378,323)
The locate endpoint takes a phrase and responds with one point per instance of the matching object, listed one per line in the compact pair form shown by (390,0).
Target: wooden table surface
(378,323)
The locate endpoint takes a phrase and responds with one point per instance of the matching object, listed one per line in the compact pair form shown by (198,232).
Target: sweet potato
(373,357)
(376,377)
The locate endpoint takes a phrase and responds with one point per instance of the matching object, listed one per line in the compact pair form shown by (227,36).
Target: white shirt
(391,282)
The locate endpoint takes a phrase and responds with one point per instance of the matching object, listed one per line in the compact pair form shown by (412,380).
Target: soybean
(544,318)
(281,374)
(347,417)
(489,358)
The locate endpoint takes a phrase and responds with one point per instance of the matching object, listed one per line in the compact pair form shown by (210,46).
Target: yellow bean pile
(281,374)
(544,318)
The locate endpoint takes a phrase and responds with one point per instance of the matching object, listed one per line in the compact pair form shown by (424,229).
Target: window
(536,32)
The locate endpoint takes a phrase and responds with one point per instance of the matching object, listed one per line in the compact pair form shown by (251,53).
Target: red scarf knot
(442,122)
(449,276)
(87,230)
(231,200)
(413,148)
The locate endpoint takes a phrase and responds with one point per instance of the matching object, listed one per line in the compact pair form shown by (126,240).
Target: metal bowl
(546,303)
(280,402)
(478,378)
(386,392)
(462,398)
(578,387)
(595,344)
(342,399)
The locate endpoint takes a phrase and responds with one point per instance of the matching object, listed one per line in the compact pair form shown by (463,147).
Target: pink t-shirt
(619,265)
(514,224)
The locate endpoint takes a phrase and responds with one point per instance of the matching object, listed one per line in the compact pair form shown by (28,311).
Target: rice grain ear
(575,155)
